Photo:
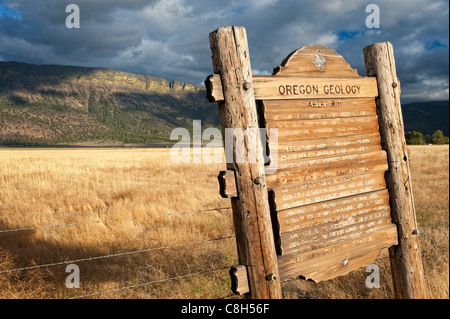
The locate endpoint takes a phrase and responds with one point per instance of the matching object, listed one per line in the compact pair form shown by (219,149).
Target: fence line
(115,255)
(111,220)
(150,283)
(438,205)
(422,249)
(178,213)
(434,185)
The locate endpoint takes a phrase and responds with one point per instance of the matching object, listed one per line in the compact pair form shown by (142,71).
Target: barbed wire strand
(173,214)
(115,255)
(422,249)
(153,216)
(169,214)
(434,185)
(439,205)
(150,283)
(111,220)
(148,250)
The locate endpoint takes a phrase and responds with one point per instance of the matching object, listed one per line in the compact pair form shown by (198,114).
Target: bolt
(247,86)
(259,180)
(271,277)
(394,84)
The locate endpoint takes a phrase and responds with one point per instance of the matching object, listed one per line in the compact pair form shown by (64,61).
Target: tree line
(417,138)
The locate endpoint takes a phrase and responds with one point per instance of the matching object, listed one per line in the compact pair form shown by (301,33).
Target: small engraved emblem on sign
(320,61)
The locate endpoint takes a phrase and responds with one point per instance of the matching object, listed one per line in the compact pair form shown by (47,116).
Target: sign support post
(406,261)
(251,212)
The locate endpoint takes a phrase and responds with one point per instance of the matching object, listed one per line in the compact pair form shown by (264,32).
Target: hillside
(53,104)
(426,117)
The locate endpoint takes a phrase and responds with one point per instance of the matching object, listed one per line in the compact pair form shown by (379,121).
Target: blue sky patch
(9,12)
(435,46)
(346,35)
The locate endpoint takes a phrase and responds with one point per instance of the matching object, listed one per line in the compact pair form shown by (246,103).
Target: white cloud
(165,15)
(339,7)
(261,72)
(261,4)
(413,48)
(329,39)
(428,89)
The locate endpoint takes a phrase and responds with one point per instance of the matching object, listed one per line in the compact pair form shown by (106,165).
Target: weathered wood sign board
(336,188)
(328,198)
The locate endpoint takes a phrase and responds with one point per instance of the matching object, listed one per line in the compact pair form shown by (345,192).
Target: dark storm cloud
(170,38)
(41,25)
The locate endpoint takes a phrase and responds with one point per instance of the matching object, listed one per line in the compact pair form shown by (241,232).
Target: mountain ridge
(426,117)
(51,104)
(12,70)
(59,104)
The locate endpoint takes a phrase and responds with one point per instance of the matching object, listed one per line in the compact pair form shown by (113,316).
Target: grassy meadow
(131,189)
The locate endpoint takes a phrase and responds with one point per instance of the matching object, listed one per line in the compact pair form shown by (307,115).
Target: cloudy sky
(169,38)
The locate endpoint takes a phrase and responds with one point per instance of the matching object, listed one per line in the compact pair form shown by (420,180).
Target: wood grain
(300,62)
(327,189)
(327,262)
(309,109)
(316,169)
(251,212)
(295,130)
(325,147)
(330,211)
(406,261)
(296,87)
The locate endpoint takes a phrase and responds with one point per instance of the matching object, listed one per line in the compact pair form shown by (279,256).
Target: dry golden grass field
(110,203)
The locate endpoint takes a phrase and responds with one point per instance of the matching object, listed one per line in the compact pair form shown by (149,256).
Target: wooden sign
(329,198)
(330,203)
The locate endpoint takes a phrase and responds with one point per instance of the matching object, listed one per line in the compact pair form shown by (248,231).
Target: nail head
(345,262)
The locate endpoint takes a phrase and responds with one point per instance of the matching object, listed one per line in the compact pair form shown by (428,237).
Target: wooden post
(251,211)
(406,261)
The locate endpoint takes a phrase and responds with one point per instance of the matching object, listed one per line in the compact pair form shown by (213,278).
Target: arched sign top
(313,71)
(315,60)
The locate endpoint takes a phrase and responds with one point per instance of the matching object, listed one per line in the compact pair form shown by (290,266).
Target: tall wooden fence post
(251,212)
(406,261)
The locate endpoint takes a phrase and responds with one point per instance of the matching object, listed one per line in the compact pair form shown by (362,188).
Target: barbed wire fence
(126,253)
(423,231)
